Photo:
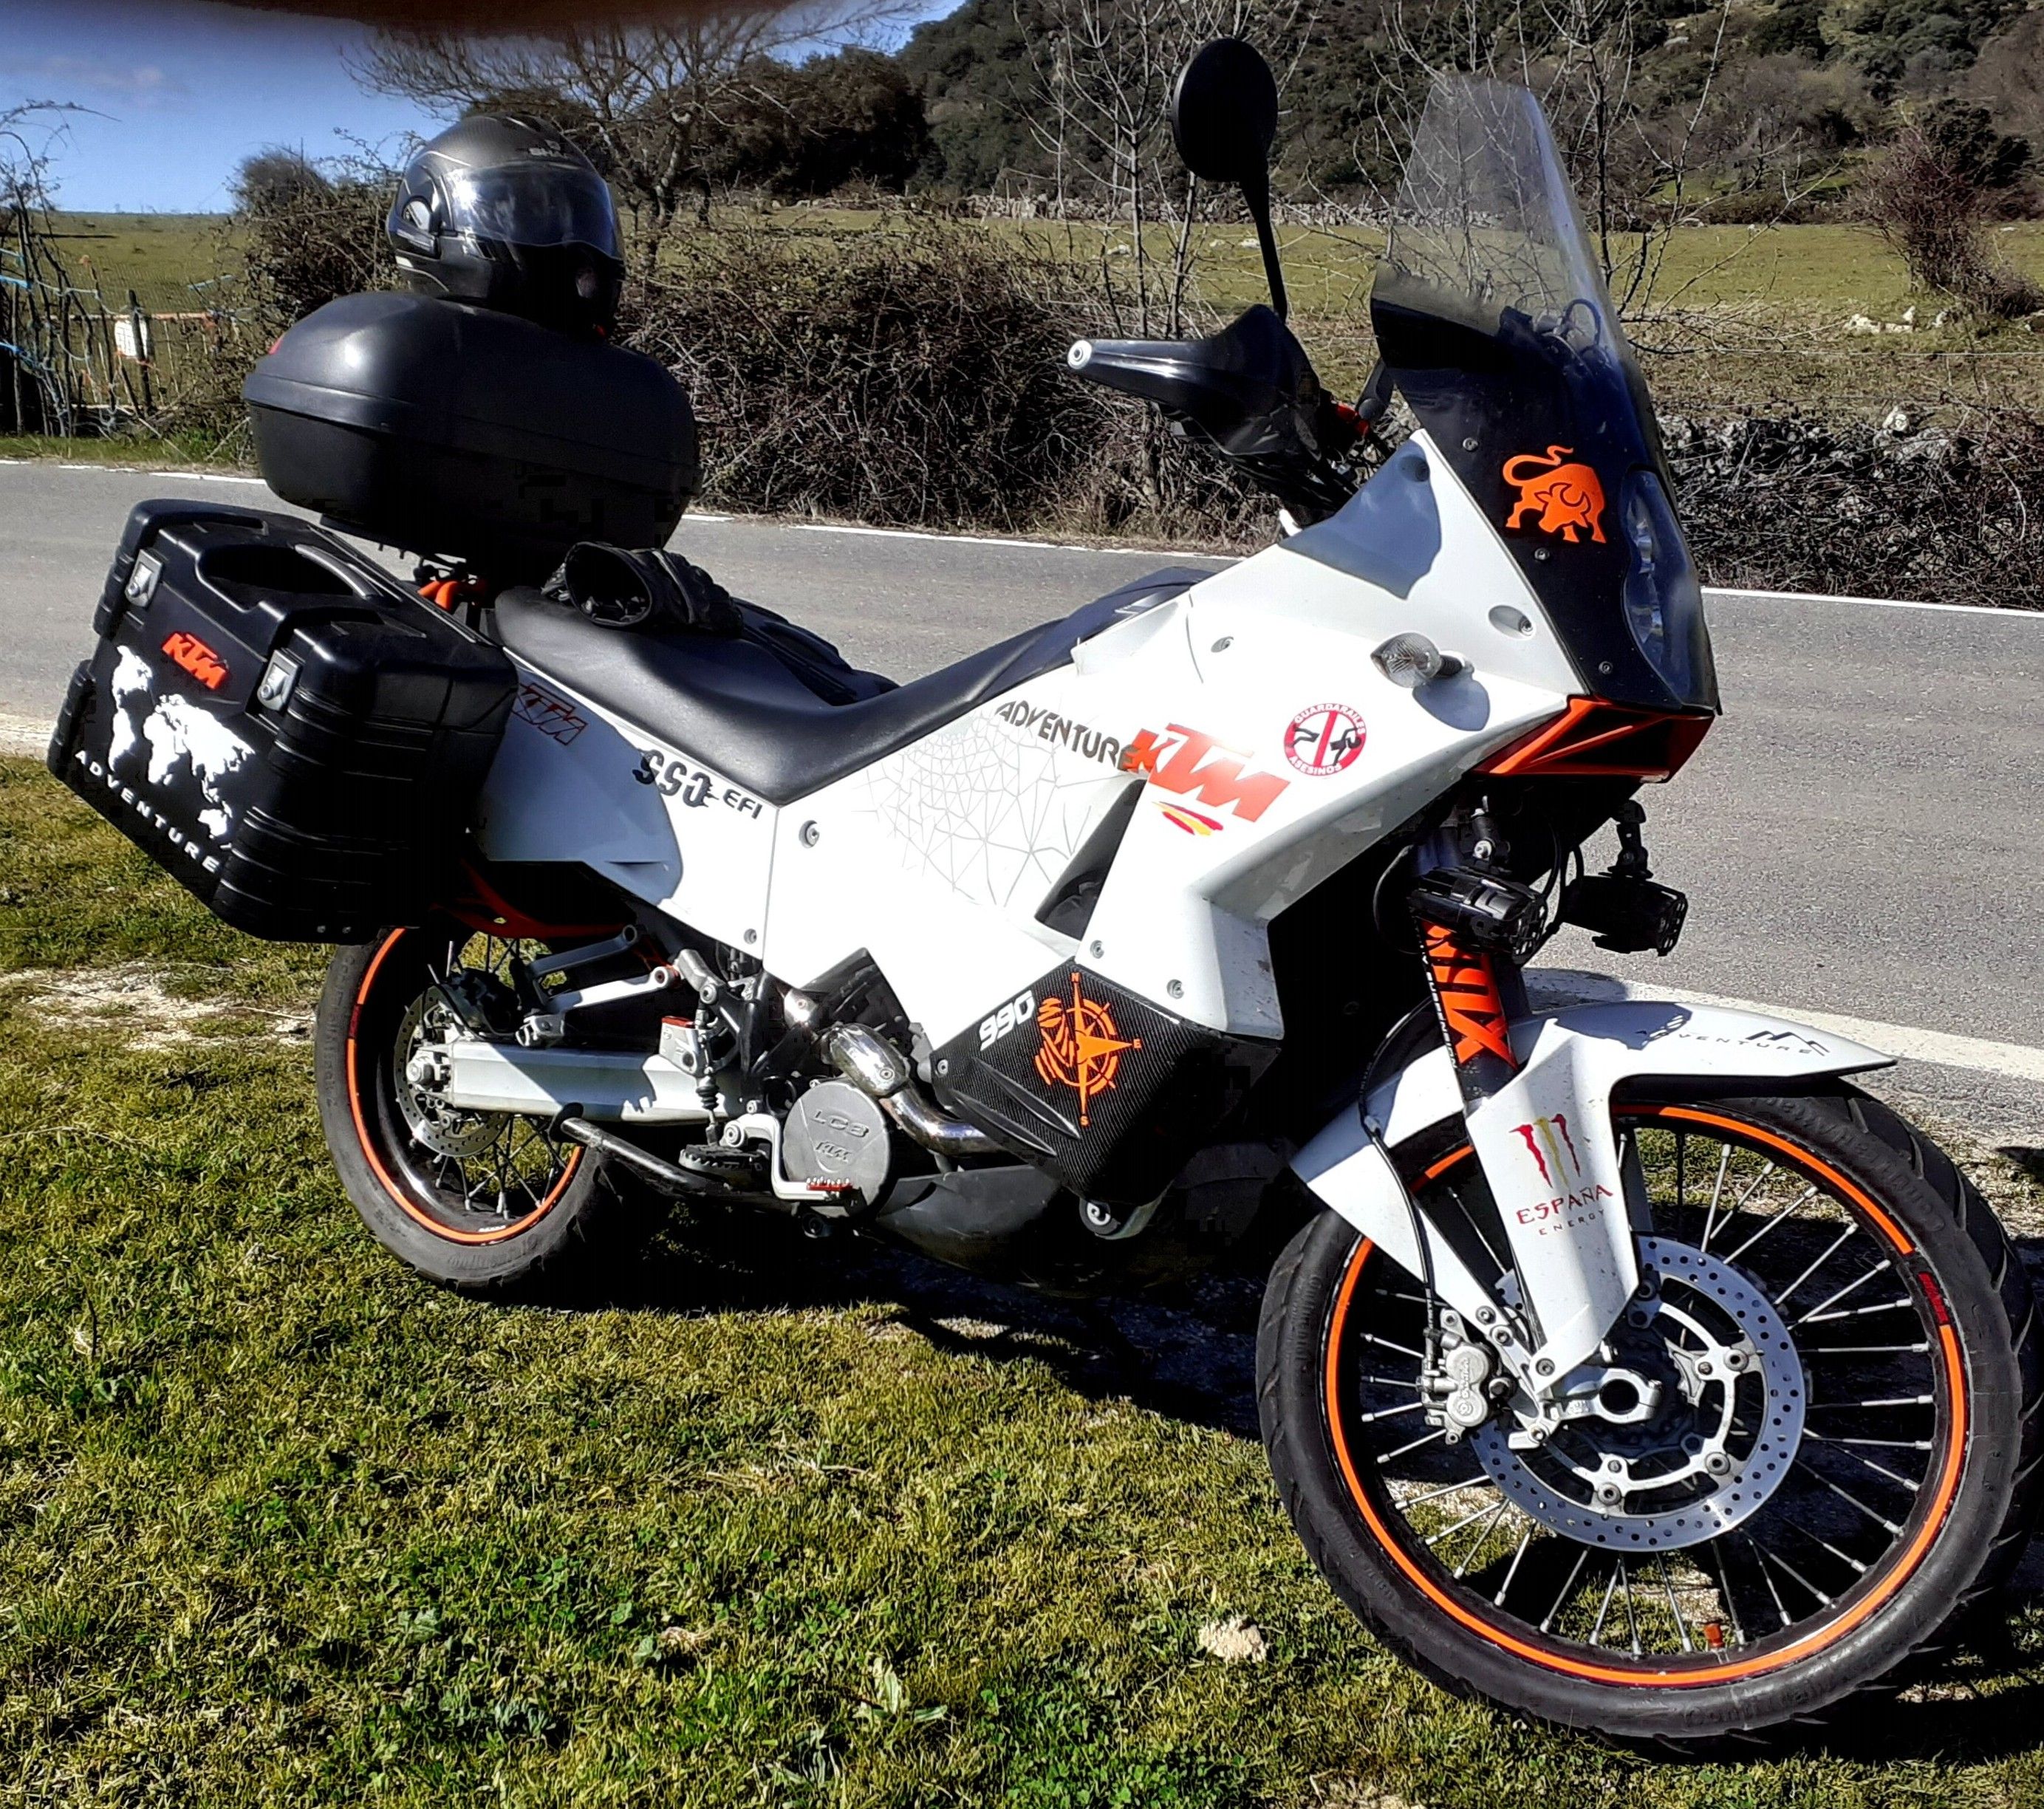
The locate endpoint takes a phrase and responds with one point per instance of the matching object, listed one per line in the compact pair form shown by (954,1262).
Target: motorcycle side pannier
(292,732)
(462,433)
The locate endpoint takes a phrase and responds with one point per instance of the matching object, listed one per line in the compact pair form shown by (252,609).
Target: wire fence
(83,352)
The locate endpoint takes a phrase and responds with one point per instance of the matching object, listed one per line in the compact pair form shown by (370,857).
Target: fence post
(138,325)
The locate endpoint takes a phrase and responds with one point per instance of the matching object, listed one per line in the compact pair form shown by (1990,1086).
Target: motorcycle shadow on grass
(1189,1352)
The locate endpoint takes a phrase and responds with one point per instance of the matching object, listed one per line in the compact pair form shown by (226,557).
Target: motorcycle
(1629,1367)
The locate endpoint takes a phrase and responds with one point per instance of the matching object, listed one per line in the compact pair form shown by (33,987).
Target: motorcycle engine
(836,1137)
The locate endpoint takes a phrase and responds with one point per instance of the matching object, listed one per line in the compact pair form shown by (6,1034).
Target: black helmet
(506,212)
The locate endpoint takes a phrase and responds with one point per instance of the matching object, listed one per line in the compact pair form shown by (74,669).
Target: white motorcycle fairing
(936,860)
(1547,1145)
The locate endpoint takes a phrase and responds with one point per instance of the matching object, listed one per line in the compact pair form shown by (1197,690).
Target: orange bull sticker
(1082,1048)
(190,654)
(1560,498)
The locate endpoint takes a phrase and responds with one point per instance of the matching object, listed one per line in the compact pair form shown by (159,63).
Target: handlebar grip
(1159,370)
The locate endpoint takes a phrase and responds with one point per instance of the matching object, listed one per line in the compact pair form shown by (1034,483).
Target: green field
(1736,318)
(774,1522)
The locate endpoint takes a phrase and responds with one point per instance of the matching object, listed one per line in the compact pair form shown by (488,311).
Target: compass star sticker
(1083,1052)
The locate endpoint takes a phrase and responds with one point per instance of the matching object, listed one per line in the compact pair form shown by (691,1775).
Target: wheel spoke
(1512,1570)
(1851,1287)
(1603,1607)
(1522,1530)
(1767,1576)
(1881,1520)
(1568,1588)
(1779,1218)
(1439,1432)
(1675,1607)
(1830,1249)
(1717,1193)
(1725,1592)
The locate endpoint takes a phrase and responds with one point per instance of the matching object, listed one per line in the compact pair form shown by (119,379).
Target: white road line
(1718,596)
(150,471)
(2014,1061)
(1563,985)
(24,734)
(1714,593)
(975,540)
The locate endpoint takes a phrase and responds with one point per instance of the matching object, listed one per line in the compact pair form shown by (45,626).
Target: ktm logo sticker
(1547,1139)
(1189,764)
(1561,499)
(1323,739)
(191,655)
(1080,1049)
(1469,1001)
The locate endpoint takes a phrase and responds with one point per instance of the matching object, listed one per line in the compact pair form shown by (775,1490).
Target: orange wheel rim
(401,1195)
(1702,1670)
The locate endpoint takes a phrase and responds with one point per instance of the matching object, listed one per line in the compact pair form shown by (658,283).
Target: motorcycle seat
(732,705)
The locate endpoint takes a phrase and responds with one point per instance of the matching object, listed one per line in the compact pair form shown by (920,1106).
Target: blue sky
(181,90)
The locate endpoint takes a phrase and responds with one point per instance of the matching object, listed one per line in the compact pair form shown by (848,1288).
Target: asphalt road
(1857,836)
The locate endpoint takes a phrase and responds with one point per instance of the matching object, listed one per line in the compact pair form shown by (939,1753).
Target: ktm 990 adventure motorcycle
(1630,1368)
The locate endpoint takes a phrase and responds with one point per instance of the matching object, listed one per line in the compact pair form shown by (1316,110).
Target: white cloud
(65,77)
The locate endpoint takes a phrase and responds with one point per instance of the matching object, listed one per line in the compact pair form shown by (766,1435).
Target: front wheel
(484,1202)
(1826,1455)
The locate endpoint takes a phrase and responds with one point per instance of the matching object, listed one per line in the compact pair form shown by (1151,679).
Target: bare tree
(1634,157)
(40,380)
(650,102)
(1929,198)
(1102,75)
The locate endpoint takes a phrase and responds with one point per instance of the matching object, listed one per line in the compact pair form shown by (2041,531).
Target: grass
(776,1522)
(151,451)
(158,255)
(1749,318)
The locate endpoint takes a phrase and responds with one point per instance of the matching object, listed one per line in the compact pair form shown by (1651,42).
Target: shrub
(1795,504)
(309,232)
(912,377)
(1931,196)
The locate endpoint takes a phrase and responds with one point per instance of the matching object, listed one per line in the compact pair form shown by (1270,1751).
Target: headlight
(1664,603)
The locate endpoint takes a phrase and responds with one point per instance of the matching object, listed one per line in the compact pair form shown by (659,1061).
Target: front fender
(1548,1148)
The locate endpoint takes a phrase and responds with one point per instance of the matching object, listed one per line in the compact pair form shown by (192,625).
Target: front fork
(1561,1197)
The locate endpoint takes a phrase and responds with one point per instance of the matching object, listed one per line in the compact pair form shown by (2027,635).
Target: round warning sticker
(1323,739)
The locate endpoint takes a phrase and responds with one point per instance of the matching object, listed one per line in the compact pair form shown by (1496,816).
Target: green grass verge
(779,1523)
(149,451)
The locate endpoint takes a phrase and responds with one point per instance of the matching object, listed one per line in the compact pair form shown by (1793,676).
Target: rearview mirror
(1224,122)
(1224,112)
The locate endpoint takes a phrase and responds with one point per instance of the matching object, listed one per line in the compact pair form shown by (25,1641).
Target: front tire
(1907,1480)
(483,1203)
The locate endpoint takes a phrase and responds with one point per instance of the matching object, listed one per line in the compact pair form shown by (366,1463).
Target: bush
(910,378)
(1931,196)
(310,231)
(1793,504)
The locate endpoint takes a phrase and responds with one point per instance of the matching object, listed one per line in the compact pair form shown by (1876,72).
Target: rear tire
(1931,1548)
(508,1211)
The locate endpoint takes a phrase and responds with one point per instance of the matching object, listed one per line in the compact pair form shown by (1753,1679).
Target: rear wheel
(481,1201)
(1822,1455)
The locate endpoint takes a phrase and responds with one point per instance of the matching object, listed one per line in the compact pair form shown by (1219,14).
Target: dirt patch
(23,735)
(137,1001)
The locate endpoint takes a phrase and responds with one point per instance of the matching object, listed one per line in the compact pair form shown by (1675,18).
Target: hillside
(1769,102)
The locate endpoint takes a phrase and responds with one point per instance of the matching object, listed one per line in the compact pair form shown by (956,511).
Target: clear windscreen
(1486,220)
(1491,309)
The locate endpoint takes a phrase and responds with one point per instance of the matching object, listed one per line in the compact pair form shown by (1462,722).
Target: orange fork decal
(1470,1004)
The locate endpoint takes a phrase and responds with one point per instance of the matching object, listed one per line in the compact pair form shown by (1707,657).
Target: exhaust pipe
(876,1067)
